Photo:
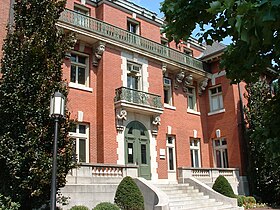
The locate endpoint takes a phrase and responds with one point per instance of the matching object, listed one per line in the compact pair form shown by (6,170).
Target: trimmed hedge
(247,202)
(128,196)
(79,208)
(106,206)
(222,186)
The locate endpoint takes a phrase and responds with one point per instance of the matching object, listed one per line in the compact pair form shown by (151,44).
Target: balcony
(138,101)
(103,31)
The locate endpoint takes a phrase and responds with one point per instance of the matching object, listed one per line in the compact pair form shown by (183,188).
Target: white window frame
(77,64)
(135,23)
(168,87)
(136,74)
(77,136)
(223,150)
(193,95)
(219,95)
(171,146)
(194,148)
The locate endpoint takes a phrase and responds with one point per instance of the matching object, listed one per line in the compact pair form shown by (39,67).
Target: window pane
(170,140)
(130,153)
(166,97)
(73,58)
(190,102)
(220,101)
(225,158)
(82,129)
(213,91)
(192,158)
(74,150)
(82,59)
(196,158)
(224,142)
(143,154)
(81,75)
(171,159)
(220,89)
(73,128)
(73,73)
(82,150)
(215,103)
(217,143)
(218,159)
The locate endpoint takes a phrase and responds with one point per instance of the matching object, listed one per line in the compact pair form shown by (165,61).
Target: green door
(137,148)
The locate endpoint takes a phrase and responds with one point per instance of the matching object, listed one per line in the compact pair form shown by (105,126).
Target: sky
(154,6)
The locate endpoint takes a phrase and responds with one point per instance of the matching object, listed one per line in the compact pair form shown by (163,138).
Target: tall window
(220,153)
(191,98)
(80,135)
(79,69)
(195,153)
(170,144)
(133,76)
(133,26)
(216,98)
(167,88)
(81,18)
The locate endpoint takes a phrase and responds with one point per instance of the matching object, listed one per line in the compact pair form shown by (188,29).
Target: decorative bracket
(120,118)
(187,82)
(179,79)
(202,85)
(164,68)
(98,51)
(156,123)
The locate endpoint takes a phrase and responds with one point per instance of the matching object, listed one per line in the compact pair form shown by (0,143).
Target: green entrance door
(137,148)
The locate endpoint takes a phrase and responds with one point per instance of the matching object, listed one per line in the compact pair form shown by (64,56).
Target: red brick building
(139,100)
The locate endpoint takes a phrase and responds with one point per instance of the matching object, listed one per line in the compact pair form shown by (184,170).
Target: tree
(254,27)
(31,71)
(263,169)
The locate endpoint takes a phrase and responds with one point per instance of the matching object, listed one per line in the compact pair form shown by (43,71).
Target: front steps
(184,196)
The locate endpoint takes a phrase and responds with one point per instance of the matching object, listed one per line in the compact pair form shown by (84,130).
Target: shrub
(106,206)
(241,200)
(7,203)
(128,196)
(79,208)
(222,186)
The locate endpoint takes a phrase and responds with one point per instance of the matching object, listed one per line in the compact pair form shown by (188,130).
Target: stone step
(207,202)
(180,197)
(204,205)
(180,191)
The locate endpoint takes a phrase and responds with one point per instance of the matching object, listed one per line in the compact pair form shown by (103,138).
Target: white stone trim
(216,75)
(216,112)
(168,106)
(79,87)
(191,111)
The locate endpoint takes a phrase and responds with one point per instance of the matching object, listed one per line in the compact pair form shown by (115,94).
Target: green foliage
(262,114)
(221,185)
(7,204)
(240,200)
(33,52)
(79,208)
(128,196)
(252,25)
(106,206)
(247,202)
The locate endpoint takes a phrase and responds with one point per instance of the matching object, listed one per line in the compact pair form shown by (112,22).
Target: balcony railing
(138,97)
(125,37)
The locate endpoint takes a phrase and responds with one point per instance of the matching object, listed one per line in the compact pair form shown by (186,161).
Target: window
(188,51)
(80,18)
(195,153)
(133,26)
(79,69)
(80,135)
(133,76)
(216,98)
(164,41)
(191,98)
(220,153)
(170,144)
(167,88)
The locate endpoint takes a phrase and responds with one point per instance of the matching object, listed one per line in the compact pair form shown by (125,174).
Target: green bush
(7,203)
(241,200)
(128,196)
(106,206)
(79,208)
(222,186)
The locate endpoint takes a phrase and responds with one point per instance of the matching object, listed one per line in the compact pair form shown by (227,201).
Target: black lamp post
(56,110)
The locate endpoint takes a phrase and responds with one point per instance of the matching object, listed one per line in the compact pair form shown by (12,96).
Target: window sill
(168,106)
(216,112)
(191,111)
(80,87)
